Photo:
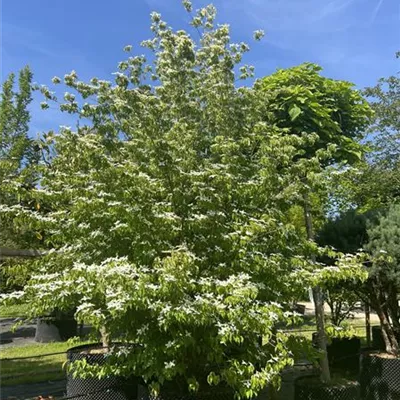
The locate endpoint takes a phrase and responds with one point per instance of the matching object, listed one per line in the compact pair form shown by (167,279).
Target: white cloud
(376,10)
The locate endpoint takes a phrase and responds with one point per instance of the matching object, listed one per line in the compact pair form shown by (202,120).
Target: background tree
(385,101)
(383,293)
(17,150)
(19,156)
(347,233)
(378,233)
(376,181)
(374,186)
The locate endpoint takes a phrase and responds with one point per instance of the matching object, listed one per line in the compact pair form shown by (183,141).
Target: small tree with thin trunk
(347,233)
(384,282)
(301,101)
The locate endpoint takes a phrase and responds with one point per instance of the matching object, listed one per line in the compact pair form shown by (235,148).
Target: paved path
(22,335)
(358,315)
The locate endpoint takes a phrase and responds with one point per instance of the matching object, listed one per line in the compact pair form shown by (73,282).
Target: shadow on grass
(29,370)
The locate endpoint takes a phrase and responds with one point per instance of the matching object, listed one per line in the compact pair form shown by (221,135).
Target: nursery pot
(378,343)
(107,388)
(51,329)
(291,374)
(300,308)
(209,393)
(380,377)
(172,391)
(313,389)
(344,353)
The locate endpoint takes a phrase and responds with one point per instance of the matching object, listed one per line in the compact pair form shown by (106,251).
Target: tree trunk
(389,336)
(321,337)
(367,324)
(318,301)
(393,308)
(105,337)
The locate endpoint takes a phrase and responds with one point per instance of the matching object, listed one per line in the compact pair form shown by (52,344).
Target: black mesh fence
(380,377)
(306,390)
(108,388)
(374,372)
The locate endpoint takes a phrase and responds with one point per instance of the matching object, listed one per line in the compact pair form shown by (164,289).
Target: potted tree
(166,231)
(380,370)
(168,223)
(301,101)
(343,348)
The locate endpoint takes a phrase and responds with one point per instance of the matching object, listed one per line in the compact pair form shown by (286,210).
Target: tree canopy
(19,156)
(301,100)
(376,181)
(167,214)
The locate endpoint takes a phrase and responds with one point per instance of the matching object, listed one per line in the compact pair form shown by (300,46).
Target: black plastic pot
(50,329)
(291,375)
(378,343)
(171,392)
(380,377)
(107,388)
(344,354)
(213,393)
(314,389)
(300,308)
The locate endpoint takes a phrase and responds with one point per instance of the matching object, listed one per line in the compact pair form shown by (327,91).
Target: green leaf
(294,112)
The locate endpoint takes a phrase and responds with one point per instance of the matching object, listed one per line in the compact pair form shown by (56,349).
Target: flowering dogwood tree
(168,227)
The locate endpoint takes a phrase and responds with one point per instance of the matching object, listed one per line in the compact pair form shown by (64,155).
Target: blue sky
(353,40)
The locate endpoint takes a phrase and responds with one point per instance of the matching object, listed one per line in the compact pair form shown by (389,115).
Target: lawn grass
(14,311)
(308,327)
(30,370)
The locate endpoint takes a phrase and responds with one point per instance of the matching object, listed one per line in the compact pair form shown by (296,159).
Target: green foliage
(332,115)
(345,331)
(166,215)
(384,283)
(341,298)
(378,233)
(383,244)
(19,156)
(376,182)
(332,109)
(385,101)
(17,149)
(346,232)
